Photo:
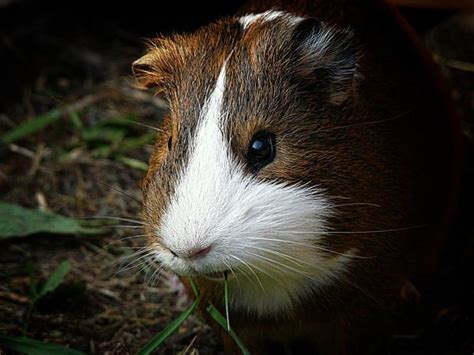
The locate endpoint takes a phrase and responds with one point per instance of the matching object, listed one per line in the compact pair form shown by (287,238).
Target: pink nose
(193,253)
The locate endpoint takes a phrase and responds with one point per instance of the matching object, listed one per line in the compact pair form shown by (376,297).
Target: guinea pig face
(234,183)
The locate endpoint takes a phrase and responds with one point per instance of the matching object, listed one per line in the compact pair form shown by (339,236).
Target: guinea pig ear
(329,54)
(154,69)
(144,73)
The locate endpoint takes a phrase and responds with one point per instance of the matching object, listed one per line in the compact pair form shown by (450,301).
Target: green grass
(30,127)
(109,138)
(155,343)
(29,346)
(171,328)
(226,302)
(52,283)
(219,318)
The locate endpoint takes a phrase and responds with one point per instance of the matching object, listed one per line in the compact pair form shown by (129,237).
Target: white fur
(247,222)
(267,16)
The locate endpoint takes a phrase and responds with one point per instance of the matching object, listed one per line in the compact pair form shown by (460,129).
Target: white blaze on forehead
(267,16)
(267,231)
(190,215)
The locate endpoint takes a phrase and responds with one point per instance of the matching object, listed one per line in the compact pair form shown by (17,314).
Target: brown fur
(381,136)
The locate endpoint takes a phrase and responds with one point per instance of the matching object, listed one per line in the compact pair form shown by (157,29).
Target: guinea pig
(307,155)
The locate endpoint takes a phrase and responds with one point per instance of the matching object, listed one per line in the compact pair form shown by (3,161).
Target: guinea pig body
(307,156)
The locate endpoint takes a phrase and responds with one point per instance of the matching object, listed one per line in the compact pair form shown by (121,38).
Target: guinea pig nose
(198,253)
(194,253)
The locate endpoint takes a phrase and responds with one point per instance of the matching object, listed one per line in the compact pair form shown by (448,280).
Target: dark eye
(170,143)
(261,150)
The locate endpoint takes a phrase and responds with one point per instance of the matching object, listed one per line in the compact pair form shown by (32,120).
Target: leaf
(17,221)
(219,318)
(55,279)
(170,329)
(30,127)
(34,347)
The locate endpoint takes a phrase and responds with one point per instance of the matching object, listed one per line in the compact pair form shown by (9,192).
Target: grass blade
(34,347)
(226,301)
(193,286)
(132,163)
(30,127)
(219,318)
(55,279)
(170,329)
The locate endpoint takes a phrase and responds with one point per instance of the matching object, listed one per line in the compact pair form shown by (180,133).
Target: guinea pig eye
(170,143)
(261,150)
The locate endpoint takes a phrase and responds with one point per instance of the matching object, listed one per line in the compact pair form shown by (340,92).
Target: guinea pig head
(248,170)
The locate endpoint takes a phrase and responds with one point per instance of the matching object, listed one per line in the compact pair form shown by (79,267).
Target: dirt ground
(87,164)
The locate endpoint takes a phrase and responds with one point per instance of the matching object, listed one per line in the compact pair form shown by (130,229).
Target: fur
(328,234)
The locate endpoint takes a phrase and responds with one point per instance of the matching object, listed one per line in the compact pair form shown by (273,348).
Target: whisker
(118,219)
(156,129)
(123,239)
(124,226)
(283,255)
(143,266)
(341,278)
(350,232)
(331,197)
(136,262)
(119,191)
(137,253)
(154,276)
(364,123)
(246,264)
(135,257)
(378,230)
(358,204)
(231,270)
(131,237)
(312,246)
(244,272)
(361,290)
(299,272)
